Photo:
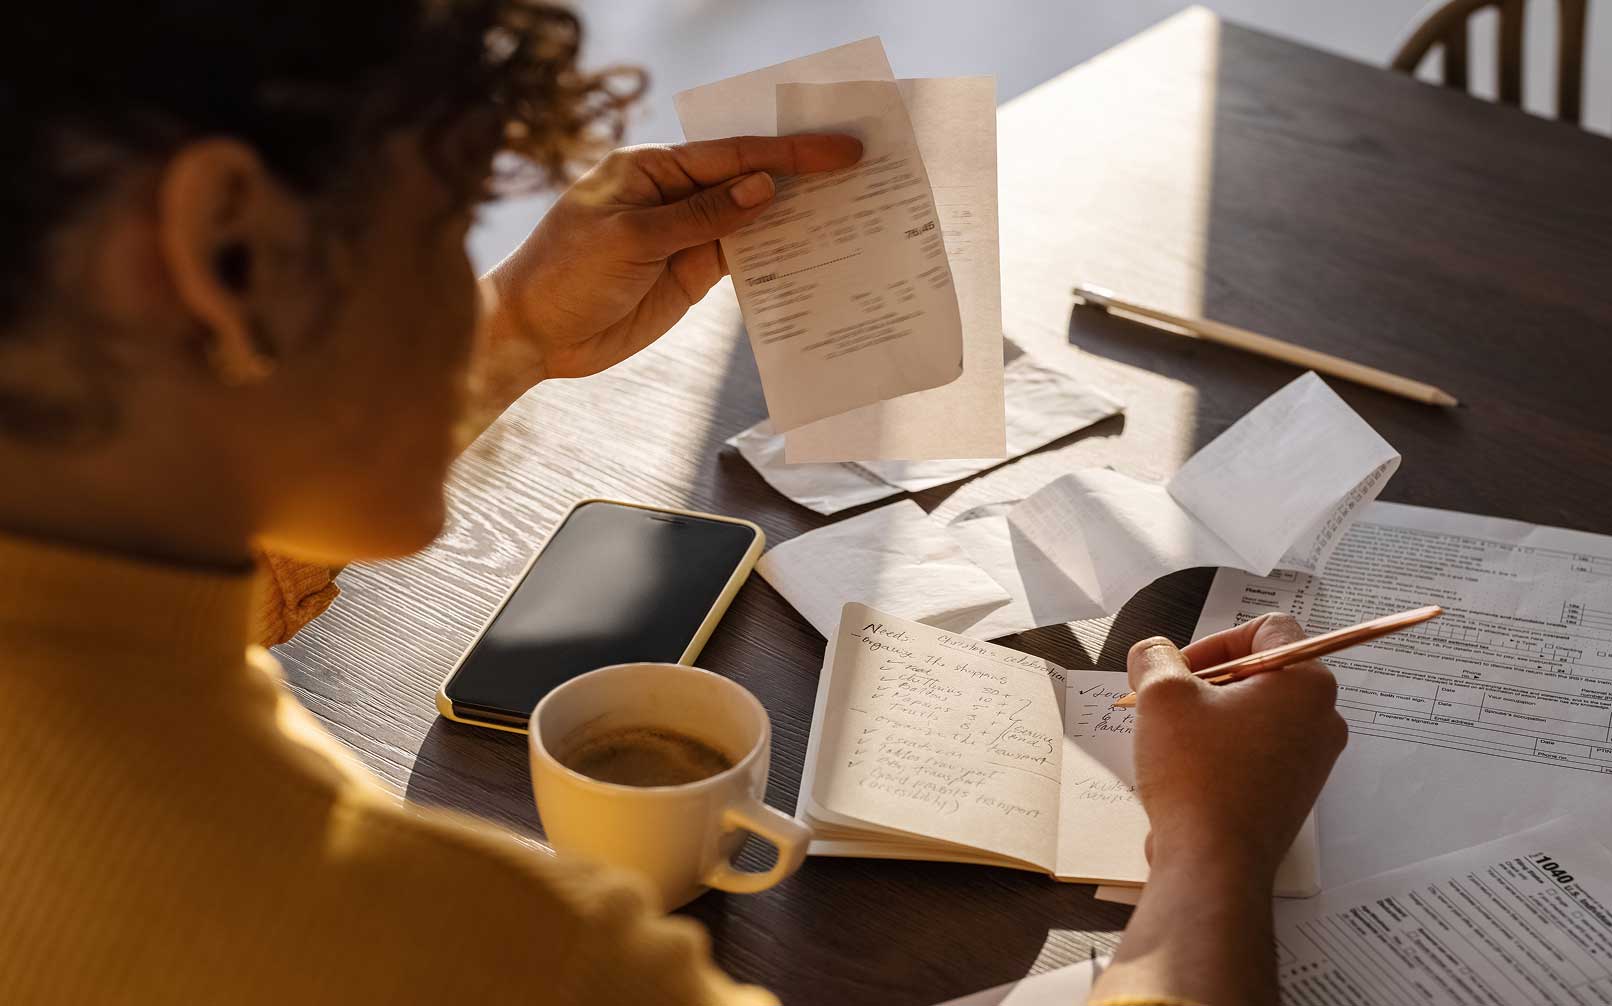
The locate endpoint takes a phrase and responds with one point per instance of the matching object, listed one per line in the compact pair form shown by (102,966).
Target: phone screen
(615,584)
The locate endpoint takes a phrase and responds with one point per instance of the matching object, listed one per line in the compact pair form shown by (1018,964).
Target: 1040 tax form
(1489,720)
(1525,920)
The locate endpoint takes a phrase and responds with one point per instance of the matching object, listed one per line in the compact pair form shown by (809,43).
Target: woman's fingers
(711,162)
(1271,629)
(659,173)
(1154,660)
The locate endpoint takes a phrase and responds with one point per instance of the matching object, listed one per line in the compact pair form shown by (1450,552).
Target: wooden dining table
(1201,168)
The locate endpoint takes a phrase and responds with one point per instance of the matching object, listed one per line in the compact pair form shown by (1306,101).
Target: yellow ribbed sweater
(175,828)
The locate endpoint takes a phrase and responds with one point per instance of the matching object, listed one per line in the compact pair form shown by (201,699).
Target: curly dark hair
(88,88)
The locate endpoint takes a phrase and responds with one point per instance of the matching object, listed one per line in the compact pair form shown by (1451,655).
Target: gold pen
(1306,649)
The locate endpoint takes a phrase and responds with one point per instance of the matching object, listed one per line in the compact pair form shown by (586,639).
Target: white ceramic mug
(680,838)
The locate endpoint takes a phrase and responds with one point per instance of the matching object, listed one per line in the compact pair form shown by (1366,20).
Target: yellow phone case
(690,653)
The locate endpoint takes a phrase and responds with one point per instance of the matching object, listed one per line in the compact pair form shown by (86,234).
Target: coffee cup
(660,769)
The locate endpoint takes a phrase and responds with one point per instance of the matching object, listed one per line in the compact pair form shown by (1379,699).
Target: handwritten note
(943,737)
(1102,826)
(927,744)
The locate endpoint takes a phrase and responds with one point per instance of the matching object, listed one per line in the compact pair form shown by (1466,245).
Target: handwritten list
(946,738)
(1098,801)
(930,745)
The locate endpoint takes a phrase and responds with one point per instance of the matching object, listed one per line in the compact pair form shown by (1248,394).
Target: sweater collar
(59,595)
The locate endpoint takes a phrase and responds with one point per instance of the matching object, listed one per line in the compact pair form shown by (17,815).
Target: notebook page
(941,736)
(1102,828)
(836,835)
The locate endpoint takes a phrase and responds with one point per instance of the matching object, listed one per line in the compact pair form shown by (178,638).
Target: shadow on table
(902,932)
(1167,607)
(1261,203)
(477,771)
(1057,643)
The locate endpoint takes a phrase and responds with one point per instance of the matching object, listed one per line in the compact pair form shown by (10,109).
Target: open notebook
(930,745)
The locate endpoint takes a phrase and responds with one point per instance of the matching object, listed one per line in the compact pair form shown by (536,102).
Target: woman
(236,326)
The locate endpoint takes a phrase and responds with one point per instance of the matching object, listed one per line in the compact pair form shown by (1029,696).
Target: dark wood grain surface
(1200,168)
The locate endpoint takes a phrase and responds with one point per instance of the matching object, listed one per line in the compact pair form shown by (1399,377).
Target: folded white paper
(894,554)
(1095,537)
(1041,595)
(1046,398)
(1275,490)
(954,121)
(746,105)
(844,281)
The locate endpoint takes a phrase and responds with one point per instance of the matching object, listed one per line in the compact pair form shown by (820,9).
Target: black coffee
(645,756)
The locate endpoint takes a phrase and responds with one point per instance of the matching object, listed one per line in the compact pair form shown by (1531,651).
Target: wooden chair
(1444,25)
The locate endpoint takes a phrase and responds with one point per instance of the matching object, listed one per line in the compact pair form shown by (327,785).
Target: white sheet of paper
(1283,481)
(1525,920)
(1047,398)
(954,120)
(844,284)
(1066,986)
(745,105)
(813,573)
(1111,535)
(1279,486)
(1081,546)
(825,488)
(1040,594)
(1485,721)
(894,558)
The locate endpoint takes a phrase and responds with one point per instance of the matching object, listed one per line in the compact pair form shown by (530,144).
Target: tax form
(1487,721)
(1522,921)
(844,282)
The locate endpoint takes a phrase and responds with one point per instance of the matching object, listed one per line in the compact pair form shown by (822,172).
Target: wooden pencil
(1264,345)
(1306,649)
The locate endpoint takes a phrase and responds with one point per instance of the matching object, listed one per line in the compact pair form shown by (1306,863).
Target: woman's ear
(220,223)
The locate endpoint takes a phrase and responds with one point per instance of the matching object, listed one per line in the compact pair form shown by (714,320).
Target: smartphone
(616,583)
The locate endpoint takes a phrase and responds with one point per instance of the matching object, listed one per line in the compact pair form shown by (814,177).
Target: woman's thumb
(1152,659)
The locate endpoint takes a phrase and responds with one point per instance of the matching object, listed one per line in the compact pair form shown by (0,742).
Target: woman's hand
(1231,771)
(632,245)
(1227,774)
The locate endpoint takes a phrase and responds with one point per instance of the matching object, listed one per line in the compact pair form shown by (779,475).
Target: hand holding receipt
(844,282)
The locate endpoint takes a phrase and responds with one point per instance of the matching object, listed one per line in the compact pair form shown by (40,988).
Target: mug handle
(787,835)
